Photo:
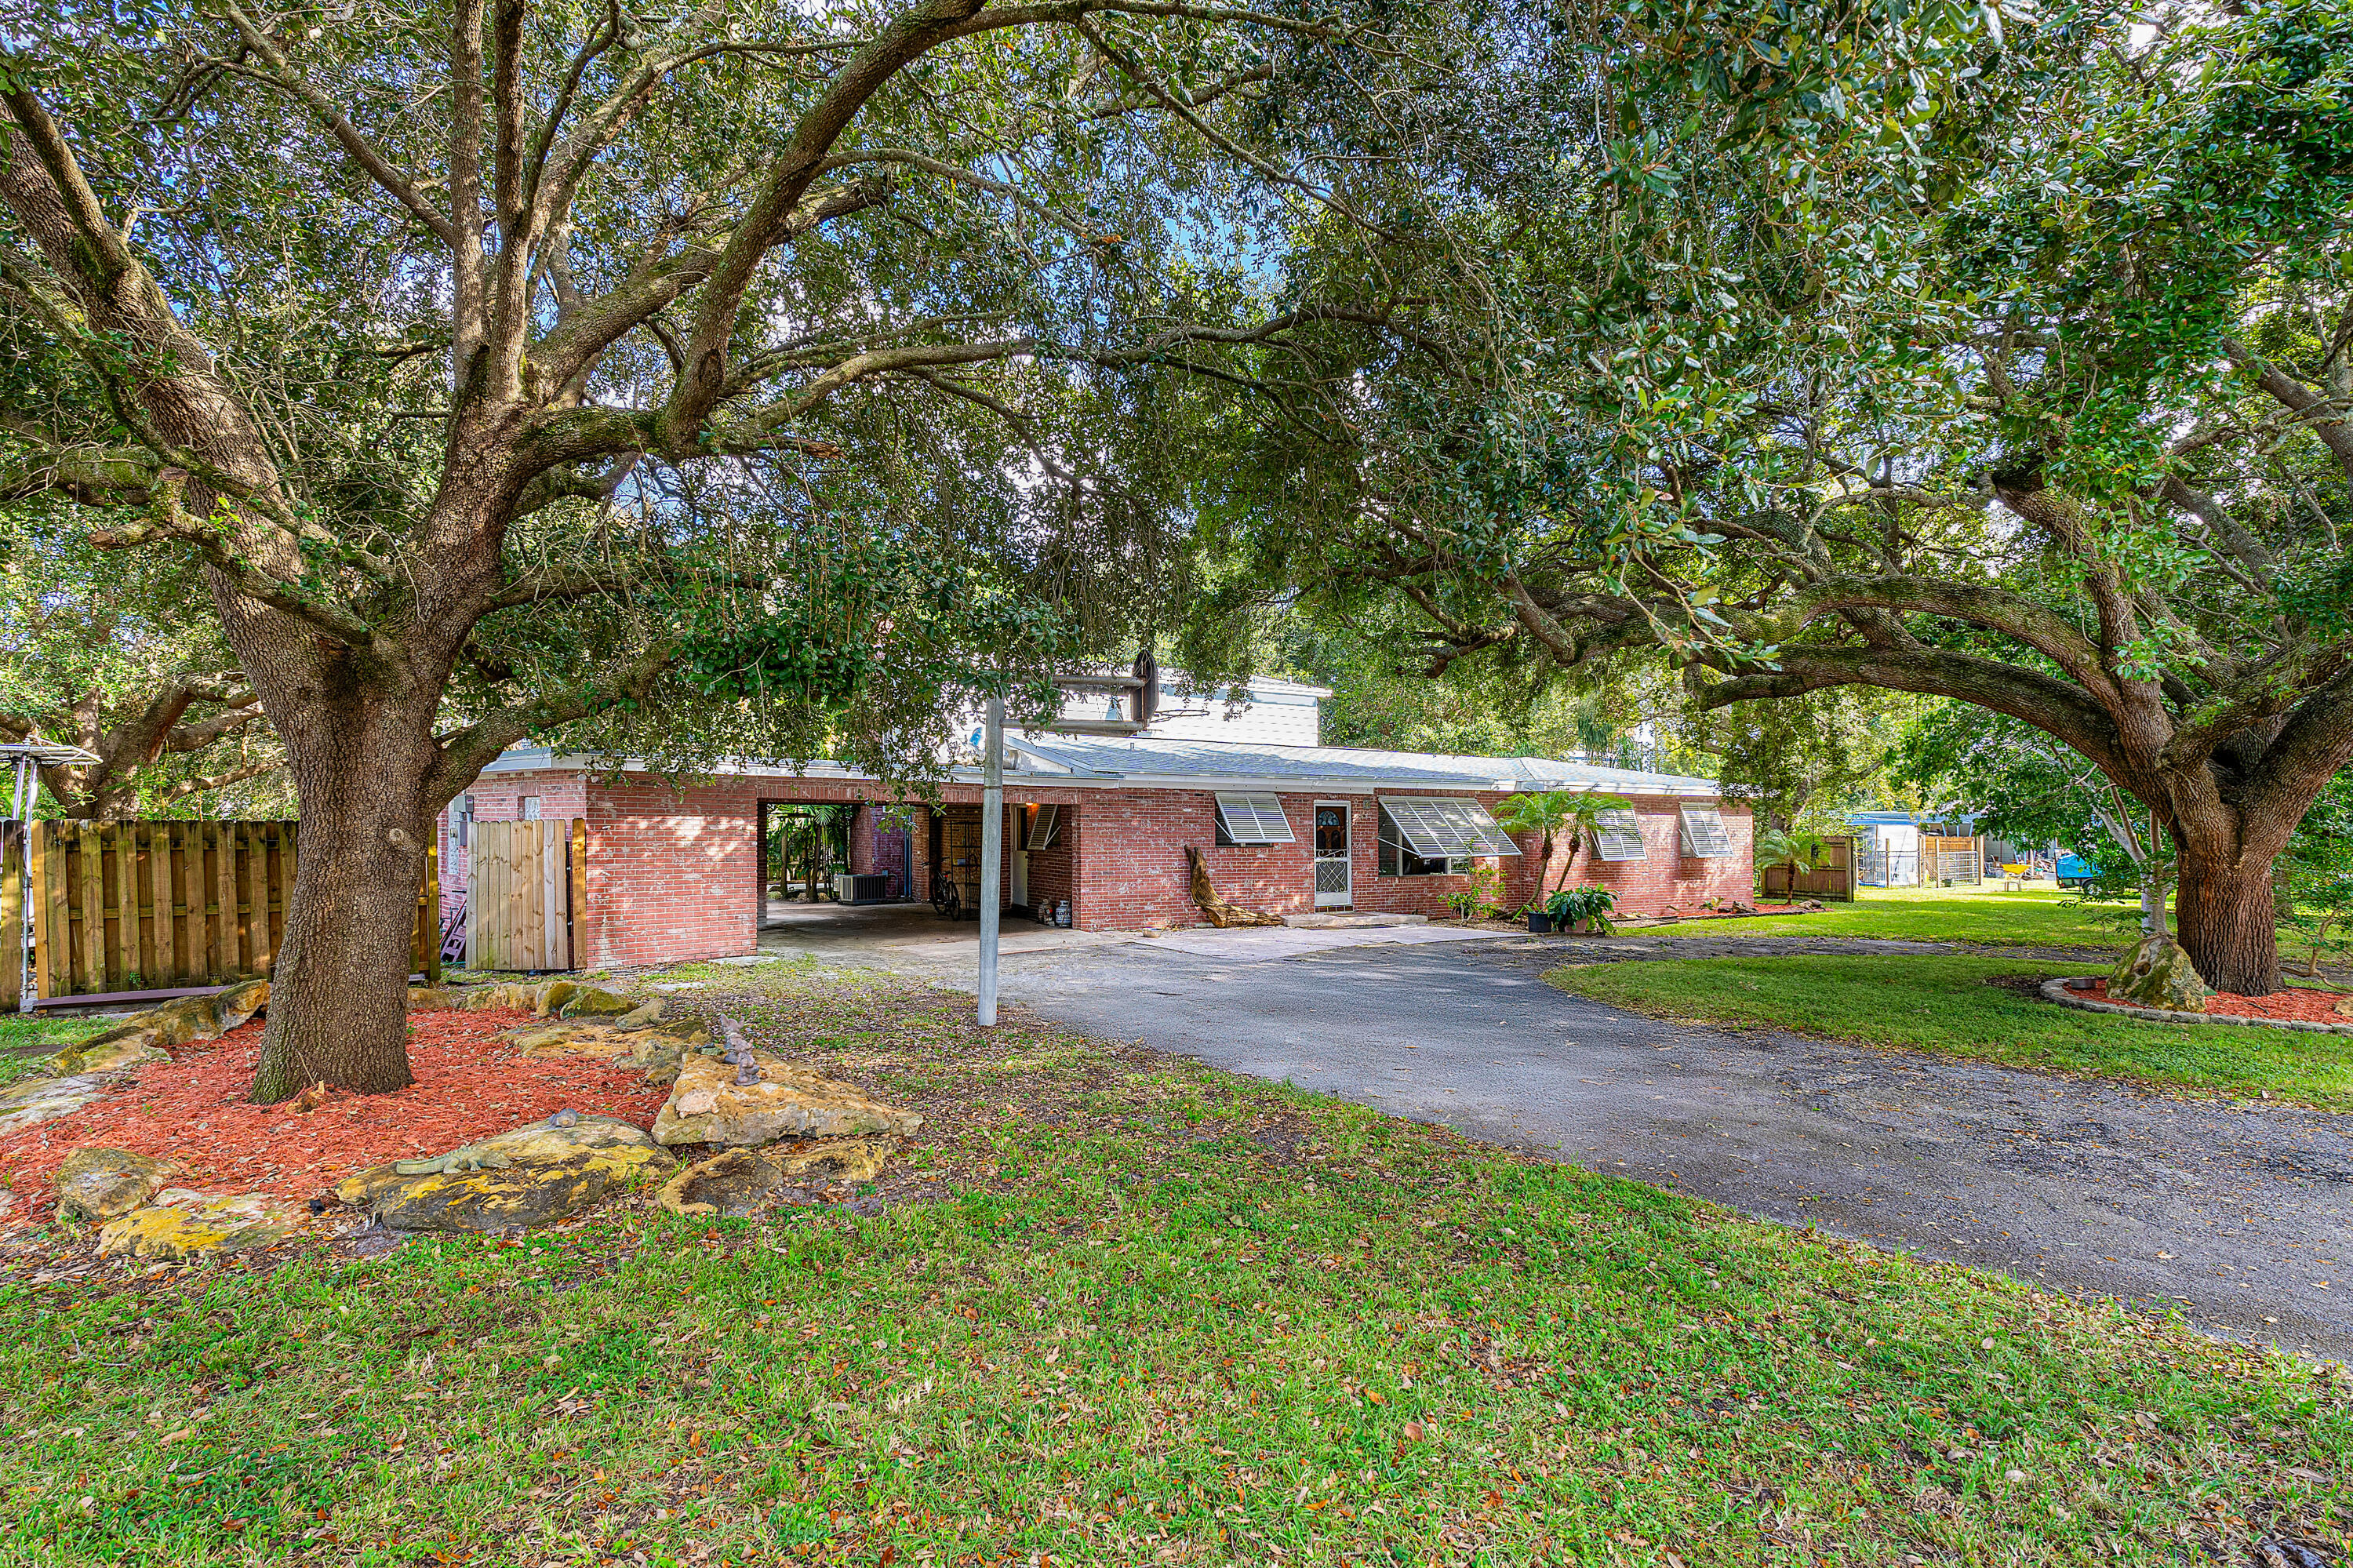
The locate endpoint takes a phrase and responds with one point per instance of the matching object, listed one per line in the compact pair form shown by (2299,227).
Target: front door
(1334,886)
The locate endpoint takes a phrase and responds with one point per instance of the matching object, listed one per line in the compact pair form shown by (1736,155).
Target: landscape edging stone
(2056,990)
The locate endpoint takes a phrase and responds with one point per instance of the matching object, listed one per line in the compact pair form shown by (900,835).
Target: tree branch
(282,76)
(467,752)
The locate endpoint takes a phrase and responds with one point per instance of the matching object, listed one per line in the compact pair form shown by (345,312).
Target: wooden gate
(1835,882)
(155,905)
(525,885)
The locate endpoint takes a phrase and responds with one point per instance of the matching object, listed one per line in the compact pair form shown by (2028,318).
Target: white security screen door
(1334,884)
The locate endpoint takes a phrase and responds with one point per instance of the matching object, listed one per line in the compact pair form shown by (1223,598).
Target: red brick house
(1096,831)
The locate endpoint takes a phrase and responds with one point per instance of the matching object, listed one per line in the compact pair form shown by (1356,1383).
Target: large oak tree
(1893,351)
(547,363)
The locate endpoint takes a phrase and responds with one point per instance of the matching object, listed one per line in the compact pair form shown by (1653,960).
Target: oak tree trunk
(2224,919)
(339,999)
(359,737)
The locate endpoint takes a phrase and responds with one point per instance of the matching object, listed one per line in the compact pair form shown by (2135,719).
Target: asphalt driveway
(2235,1214)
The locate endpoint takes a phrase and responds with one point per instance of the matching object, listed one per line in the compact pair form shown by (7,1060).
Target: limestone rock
(195,1018)
(707,1106)
(553,995)
(104,1183)
(740,1180)
(595,1001)
(561,1039)
(645,1016)
(522,997)
(433,998)
(2158,973)
(45,1099)
(113,1051)
(734,1183)
(834,1158)
(527,1177)
(182,1225)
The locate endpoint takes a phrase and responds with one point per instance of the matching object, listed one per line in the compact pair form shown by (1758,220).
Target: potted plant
(1585,908)
(1539,920)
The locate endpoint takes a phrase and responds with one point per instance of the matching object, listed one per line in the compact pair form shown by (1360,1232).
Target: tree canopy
(743,377)
(2005,365)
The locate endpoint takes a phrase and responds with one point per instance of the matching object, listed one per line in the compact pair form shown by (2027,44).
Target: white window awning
(1254,819)
(1440,826)
(1618,836)
(1704,835)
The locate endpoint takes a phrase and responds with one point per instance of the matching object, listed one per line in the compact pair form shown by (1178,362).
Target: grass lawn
(24,1042)
(1941,1002)
(1148,1313)
(1939,915)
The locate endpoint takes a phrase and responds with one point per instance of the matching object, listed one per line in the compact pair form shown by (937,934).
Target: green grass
(1941,1002)
(1149,1314)
(1937,915)
(27,1042)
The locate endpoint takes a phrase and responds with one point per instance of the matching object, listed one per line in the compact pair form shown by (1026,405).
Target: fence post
(13,847)
(575,904)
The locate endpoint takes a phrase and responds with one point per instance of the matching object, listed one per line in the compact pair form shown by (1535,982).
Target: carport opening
(804,854)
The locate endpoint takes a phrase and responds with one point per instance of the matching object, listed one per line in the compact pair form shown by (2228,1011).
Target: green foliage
(1478,901)
(2316,877)
(1586,901)
(1798,851)
(119,652)
(1972,361)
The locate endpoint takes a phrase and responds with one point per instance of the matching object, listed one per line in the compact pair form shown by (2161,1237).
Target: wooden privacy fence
(525,884)
(159,905)
(1835,882)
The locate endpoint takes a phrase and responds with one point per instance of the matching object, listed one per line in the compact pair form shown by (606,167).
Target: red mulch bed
(2307,1006)
(470,1084)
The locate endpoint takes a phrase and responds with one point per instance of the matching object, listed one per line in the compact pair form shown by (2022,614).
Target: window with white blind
(1618,836)
(1705,836)
(1435,835)
(1253,820)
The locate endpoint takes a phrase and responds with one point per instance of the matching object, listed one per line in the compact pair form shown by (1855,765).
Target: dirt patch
(470,1084)
(2028,985)
(2301,1005)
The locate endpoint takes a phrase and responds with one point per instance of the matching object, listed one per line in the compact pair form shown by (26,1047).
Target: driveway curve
(2235,1214)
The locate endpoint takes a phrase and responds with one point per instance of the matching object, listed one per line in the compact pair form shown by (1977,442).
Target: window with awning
(1704,835)
(1253,820)
(1618,836)
(1044,827)
(1441,827)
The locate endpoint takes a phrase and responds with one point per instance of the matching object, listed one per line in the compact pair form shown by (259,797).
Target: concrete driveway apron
(2235,1214)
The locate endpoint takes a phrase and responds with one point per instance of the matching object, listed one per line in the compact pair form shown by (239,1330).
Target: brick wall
(1134,871)
(672,873)
(499,798)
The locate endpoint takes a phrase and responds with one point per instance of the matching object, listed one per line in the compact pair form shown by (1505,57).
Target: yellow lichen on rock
(182,1225)
(527,1177)
(708,1106)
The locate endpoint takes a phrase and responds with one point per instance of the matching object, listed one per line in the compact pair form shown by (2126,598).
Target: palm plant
(1551,812)
(1800,852)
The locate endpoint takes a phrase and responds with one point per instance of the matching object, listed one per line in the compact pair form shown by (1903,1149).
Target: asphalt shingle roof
(1150,758)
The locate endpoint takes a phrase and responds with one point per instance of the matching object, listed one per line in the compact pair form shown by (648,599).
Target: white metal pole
(992,855)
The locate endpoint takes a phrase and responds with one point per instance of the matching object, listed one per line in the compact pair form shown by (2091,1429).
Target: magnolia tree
(2009,367)
(741,377)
